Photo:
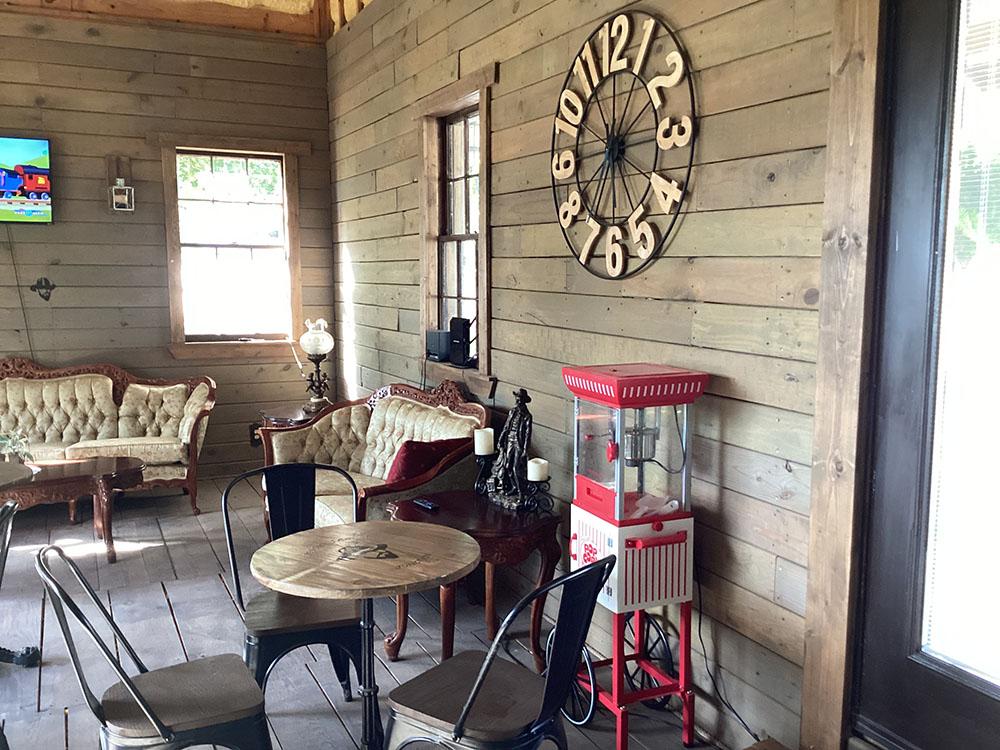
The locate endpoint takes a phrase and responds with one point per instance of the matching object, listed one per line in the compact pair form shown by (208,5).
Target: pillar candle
(484,442)
(538,470)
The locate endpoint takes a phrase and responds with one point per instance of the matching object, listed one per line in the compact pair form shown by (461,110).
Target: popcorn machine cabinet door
(655,558)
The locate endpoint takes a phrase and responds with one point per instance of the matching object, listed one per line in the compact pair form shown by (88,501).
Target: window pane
(959,613)
(448,270)
(230,178)
(266,180)
(473,205)
(468,309)
(449,310)
(456,208)
(456,148)
(474,144)
(468,261)
(235,291)
(194,176)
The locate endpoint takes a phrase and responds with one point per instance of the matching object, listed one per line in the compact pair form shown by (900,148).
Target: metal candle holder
(485,467)
(318,383)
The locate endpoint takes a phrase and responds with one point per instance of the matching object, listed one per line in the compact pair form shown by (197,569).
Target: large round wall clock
(623,144)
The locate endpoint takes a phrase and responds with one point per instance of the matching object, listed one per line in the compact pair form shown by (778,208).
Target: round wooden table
(68,479)
(362,561)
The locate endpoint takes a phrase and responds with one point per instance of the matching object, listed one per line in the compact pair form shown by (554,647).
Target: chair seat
(507,705)
(269,613)
(187,696)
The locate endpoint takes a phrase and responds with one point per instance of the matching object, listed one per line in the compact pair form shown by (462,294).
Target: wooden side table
(505,538)
(284,416)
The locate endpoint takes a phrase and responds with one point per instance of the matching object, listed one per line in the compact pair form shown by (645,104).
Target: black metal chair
(508,707)
(212,700)
(278,623)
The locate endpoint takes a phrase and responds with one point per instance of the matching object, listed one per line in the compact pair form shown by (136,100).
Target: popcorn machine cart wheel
(632,478)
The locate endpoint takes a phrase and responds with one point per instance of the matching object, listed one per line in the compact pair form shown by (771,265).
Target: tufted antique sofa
(364,437)
(91,411)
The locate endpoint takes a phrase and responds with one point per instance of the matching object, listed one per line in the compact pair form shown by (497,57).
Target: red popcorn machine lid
(635,385)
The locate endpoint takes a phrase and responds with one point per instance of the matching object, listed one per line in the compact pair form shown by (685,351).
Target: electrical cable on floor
(711,675)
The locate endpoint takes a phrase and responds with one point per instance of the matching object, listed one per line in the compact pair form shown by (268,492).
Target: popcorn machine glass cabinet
(630,463)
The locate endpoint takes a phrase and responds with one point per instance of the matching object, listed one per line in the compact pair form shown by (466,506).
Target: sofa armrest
(299,442)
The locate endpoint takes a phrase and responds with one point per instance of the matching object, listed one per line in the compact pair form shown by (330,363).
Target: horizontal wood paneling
(736,294)
(96,89)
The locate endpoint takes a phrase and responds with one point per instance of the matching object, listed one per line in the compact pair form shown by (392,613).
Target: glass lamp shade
(316,341)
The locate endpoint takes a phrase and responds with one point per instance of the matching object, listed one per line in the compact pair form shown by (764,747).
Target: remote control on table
(429,505)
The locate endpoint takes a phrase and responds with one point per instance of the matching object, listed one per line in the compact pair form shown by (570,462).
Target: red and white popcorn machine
(631,422)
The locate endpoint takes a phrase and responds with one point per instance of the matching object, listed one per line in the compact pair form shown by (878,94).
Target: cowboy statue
(508,480)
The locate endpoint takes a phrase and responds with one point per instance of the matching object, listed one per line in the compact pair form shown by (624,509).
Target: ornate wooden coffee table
(65,481)
(361,561)
(505,538)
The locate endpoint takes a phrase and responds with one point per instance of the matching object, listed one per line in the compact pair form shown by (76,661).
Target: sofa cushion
(333,497)
(152,410)
(48,451)
(396,419)
(164,473)
(154,451)
(415,457)
(59,410)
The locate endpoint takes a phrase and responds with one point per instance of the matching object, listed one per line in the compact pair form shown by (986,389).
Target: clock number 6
(614,253)
(641,233)
(564,165)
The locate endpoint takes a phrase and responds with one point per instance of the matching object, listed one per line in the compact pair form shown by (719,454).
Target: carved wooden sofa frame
(457,467)
(22,367)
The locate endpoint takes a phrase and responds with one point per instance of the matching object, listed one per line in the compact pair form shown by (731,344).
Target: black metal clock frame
(615,145)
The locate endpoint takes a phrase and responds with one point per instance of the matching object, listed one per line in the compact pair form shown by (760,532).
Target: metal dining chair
(29,656)
(279,623)
(212,700)
(508,707)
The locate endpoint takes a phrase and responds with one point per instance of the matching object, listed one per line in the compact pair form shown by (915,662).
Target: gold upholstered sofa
(90,411)
(365,436)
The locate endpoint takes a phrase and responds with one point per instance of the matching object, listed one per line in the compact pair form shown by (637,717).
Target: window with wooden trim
(232,239)
(458,246)
(455,221)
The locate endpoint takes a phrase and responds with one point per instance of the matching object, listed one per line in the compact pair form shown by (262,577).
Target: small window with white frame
(234,253)
(458,245)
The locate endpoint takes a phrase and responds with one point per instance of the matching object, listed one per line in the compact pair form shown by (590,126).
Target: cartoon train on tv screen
(25,180)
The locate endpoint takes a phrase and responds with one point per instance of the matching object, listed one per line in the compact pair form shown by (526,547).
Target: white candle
(538,470)
(484,441)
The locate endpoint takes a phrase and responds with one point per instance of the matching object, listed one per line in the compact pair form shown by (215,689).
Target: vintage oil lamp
(632,477)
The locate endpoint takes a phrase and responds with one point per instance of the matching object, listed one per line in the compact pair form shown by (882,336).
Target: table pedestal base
(372,733)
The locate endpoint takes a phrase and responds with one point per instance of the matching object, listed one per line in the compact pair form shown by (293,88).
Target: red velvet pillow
(415,457)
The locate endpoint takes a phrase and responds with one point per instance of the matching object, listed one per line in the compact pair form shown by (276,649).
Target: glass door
(929,659)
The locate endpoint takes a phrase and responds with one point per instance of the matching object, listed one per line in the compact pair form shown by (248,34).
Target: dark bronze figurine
(508,481)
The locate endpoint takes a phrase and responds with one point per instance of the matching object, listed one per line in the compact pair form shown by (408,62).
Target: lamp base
(315,405)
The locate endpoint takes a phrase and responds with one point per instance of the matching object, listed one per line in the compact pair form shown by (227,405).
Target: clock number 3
(673,134)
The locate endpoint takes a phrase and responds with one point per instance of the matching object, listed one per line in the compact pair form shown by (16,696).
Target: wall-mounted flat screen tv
(25,180)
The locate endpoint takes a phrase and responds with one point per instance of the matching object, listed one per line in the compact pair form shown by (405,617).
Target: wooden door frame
(850,222)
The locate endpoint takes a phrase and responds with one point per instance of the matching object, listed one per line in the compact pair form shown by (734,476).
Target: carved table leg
(491,602)
(551,552)
(394,641)
(447,599)
(104,504)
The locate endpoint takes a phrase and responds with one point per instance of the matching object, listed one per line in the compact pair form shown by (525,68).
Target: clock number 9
(643,235)
(563,165)
(569,209)
(676,63)
(671,134)
(614,253)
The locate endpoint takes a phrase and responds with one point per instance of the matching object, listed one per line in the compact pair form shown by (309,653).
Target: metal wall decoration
(623,142)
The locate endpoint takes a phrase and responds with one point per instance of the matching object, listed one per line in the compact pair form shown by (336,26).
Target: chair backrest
(61,602)
(576,609)
(7,511)
(291,504)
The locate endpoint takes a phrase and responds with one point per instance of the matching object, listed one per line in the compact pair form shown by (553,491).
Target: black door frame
(902,697)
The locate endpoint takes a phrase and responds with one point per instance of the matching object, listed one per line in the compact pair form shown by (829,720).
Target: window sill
(475,381)
(230,350)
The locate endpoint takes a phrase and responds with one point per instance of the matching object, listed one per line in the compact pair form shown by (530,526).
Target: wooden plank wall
(101,88)
(736,295)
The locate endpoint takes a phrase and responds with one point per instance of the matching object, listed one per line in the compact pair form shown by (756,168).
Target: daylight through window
(235,278)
